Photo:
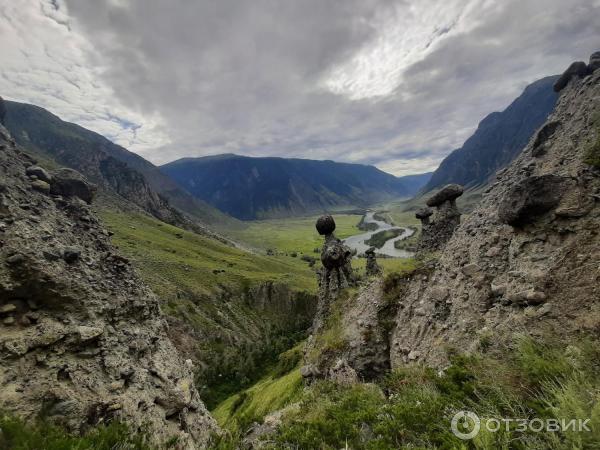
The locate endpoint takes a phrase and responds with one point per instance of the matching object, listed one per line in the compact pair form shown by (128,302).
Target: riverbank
(371,221)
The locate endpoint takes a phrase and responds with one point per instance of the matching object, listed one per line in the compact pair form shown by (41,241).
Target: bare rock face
(527,259)
(530,198)
(70,183)
(81,337)
(594,61)
(447,217)
(576,69)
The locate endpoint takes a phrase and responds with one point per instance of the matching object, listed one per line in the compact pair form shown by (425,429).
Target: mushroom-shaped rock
(325,225)
(70,183)
(423,213)
(2,111)
(594,61)
(577,69)
(530,198)
(448,193)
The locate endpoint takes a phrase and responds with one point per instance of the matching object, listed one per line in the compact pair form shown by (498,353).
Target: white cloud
(406,36)
(46,63)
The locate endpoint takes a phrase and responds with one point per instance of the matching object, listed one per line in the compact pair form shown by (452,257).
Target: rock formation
(336,259)
(372,267)
(527,259)
(81,337)
(578,69)
(446,219)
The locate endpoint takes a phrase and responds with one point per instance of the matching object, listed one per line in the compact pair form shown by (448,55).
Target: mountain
(107,164)
(499,138)
(251,188)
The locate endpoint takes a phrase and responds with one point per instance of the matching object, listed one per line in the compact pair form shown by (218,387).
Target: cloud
(395,83)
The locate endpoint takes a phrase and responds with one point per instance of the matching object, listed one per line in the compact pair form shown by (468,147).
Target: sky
(394,83)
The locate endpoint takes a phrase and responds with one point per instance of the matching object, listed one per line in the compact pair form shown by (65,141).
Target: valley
(365,237)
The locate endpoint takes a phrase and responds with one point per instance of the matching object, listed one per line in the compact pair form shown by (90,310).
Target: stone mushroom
(423,215)
(449,193)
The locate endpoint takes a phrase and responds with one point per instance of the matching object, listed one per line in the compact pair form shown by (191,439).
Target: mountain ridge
(498,139)
(258,187)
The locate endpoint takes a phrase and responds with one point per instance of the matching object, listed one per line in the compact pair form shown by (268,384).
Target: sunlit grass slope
(171,259)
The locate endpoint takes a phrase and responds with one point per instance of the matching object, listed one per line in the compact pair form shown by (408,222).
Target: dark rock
(39,172)
(542,136)
(450,192)
(423,213)
(372,268)
(594,61)
(71,254)
(70,183)
(325,225)
(530,198)
(2,111)
(577,69)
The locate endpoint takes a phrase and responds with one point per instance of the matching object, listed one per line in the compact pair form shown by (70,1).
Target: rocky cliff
(527,259)
(82,340)
(499,138)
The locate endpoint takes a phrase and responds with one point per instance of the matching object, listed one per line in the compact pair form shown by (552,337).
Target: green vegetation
(17,435)
(206,284)
(379,239)
(293,234)
(280,387)
(171,259)
(413,407)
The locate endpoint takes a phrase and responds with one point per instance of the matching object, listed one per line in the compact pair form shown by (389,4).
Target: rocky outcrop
(578,69)
(372,268)
(527,259)
(336,259)
(447,217)
(81,337)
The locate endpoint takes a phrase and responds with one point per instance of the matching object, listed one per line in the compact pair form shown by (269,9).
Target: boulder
(594,61)
(70,183)
(423,213)
(325,225)
(448,193)
(542,136)
(531,198)
(39,172)
(577,69)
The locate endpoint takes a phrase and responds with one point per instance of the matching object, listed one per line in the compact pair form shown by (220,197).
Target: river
(357,242)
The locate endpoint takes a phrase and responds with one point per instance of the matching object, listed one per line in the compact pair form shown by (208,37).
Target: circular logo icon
(465,425)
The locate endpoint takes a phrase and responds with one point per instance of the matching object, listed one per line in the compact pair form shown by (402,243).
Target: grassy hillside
(171,259)
(231,311)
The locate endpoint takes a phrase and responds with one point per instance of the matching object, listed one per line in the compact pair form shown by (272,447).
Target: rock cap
(325,225)
(576,69)
(423,213)
(70,183)
(594,61)
(449,192)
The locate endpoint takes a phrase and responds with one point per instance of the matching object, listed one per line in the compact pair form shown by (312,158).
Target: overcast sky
(394,83)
